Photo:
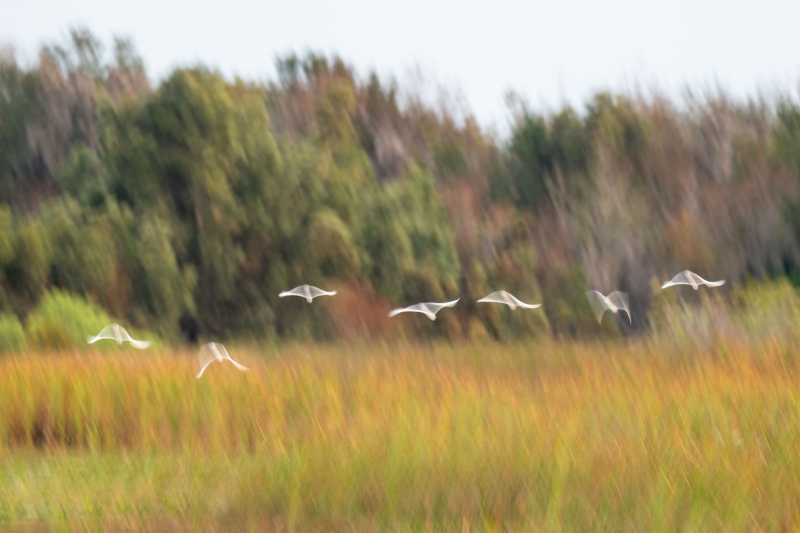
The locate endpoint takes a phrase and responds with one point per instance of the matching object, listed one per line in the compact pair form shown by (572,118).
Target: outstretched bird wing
(316,291)
(225,355)
(690,278)
(598,302)
(416,308)
(522,304)
(142,345)
(499,297)
(297,291)
(429,309)
(684,278)
(620,300)
(435,307)
(203,368)
(503,297)
(105,333)
(702,281)
(136,344)
(206,357)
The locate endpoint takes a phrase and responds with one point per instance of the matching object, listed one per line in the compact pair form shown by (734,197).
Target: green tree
(84,252)
(83,176)
(531,162)
(20,106)
(166,289)
(34,257)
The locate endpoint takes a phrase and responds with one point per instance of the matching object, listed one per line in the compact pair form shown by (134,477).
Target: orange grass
(549,436)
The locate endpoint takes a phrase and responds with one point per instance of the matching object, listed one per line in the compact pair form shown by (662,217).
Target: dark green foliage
(408,234)
(615,121)
(531,162)
(571,148)
(166,290)
(330,249)
(787,135)
(786,148)
(19,107)
(84,250)
(83,176)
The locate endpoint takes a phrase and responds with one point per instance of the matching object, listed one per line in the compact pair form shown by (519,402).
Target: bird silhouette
(429,309)
(690,278)
(117,333)
(614,302)
(309,292)
(502,297)
(215,352)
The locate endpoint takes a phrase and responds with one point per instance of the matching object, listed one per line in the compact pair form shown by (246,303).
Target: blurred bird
(429,309)
(614,302)
(502,297)
(309,292)
(117,333)
(690,278)
(215,352)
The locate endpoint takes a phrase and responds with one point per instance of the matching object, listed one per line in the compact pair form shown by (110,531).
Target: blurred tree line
(187,207)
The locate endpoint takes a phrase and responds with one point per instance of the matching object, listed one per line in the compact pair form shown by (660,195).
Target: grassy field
(544,436)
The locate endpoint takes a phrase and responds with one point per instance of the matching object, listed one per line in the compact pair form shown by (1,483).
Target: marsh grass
(549,436)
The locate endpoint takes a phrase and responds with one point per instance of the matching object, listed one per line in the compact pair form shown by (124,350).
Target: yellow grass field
(542,436)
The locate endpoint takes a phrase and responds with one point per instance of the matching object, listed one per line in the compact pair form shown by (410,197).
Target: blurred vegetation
(62,320)
(452,437)
(754,314)
(185,208)
(12,335)
(181,211)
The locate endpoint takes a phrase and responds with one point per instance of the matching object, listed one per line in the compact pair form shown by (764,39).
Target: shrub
(49,334)
(62,320)
(12,335)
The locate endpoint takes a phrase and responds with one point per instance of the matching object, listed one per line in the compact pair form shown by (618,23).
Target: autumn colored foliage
(185,207)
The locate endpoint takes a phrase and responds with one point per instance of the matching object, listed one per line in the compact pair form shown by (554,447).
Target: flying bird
(214,351)
(309,292)
(614,302)
(115,332)
(690,278)
(502,297)
(429,309)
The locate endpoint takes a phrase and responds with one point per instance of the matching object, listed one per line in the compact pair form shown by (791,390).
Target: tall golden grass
(546,436)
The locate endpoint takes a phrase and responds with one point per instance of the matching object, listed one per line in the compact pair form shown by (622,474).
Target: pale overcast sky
(547,52)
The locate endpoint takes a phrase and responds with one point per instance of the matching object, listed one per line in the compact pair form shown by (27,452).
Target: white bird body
(690,278)
(429,309)
(614,302)
(115,332)
(215,352)
(502,297)
(309,292)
